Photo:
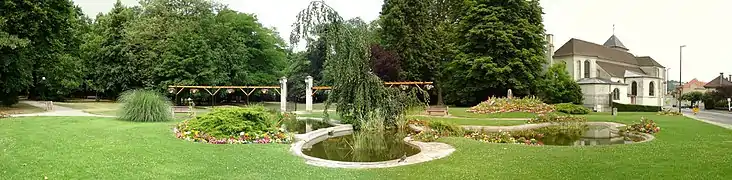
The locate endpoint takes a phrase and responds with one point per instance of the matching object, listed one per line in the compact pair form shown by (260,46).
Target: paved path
(57,111)
(719,118)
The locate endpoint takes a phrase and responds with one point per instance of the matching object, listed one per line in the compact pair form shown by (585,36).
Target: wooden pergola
(404,85)
(213,90)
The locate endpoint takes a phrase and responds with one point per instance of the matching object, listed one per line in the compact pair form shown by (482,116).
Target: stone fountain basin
(428,150)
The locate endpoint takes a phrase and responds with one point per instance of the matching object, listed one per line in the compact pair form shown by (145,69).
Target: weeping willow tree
(359,94)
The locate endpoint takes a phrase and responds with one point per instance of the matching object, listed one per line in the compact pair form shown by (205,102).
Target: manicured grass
(105,148)
(20,108)
(461,112)
(474,121)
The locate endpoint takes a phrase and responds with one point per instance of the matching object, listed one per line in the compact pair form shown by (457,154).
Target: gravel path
(57,111)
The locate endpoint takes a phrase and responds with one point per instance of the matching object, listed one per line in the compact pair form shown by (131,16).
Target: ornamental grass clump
(144,106)
(505,105)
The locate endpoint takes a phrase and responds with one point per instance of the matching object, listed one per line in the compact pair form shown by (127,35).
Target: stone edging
(428,150)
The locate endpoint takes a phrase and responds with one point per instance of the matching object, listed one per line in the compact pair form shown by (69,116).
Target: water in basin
(362,147)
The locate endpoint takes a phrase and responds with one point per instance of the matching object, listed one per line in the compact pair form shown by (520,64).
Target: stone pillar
(283,94)
(309,94)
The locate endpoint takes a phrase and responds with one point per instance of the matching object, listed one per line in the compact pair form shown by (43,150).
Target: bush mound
(635,108)
(503,105)
(235,125)
(144,106)
(570,108)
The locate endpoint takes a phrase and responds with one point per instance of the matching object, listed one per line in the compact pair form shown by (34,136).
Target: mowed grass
(105,148)
(20,108)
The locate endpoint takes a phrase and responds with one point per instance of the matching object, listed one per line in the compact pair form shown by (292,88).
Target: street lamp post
(681,88)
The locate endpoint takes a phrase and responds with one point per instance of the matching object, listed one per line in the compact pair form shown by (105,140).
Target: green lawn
(105,148)
(20,108)
(461,112)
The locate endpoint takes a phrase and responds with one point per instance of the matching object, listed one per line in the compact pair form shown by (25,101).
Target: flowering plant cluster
(426,136)
(644,126)
(503,105)
(242,138)
(4,115)
(551,118)
(668,112)
(504,137)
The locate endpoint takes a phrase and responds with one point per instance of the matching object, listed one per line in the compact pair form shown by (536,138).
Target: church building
(609,73)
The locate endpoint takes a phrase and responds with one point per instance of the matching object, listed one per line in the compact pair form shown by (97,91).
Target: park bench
(439,110)
(181,109)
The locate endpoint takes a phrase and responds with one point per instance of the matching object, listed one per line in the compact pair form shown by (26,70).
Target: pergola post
(283,94)
(309,94)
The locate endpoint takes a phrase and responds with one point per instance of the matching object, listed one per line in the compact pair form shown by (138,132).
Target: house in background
(718,82)
(694,86)
(609,72)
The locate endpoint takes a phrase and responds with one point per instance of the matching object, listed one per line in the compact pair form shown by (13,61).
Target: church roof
(626,61)
(647,61)
(614,42)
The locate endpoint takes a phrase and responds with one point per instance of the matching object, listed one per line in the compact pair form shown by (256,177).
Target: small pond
(362,147)
(594,135)
(305,125)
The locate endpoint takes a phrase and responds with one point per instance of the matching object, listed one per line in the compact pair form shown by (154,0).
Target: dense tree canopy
(501,47)
(406,28)
(559,87)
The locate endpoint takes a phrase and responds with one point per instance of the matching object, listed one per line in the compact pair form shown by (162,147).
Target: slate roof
(580,47)
(614,42)
(718,83)
(647,61)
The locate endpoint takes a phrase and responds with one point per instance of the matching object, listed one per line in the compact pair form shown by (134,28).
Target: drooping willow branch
(359,94)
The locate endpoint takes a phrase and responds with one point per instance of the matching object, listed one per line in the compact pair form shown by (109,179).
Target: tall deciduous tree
(50,29)
(501,47)
(406,28)
(559,87)
(361,96)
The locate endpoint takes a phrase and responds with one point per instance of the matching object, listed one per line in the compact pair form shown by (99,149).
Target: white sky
(653,28)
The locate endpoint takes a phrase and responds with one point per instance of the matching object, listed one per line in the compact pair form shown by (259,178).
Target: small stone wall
(428,150)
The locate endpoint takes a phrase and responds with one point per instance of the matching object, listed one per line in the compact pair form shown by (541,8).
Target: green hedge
(570,108)
(635,108)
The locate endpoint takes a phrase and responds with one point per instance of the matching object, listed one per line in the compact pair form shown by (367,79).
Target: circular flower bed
(235,125)
(504,105)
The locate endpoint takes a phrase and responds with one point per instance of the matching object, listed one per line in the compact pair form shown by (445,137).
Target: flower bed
(668,112)
(4,115)
(243,138)
(644,126)
(235,125)
(505,105)
(506,137)
(551,118)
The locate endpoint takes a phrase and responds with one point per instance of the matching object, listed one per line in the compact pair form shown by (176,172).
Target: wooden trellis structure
(213,90)
(403,85)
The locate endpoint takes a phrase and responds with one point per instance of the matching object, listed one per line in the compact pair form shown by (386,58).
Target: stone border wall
(428,150)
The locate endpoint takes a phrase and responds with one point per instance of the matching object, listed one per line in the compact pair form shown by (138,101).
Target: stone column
(309,94)
(283,94)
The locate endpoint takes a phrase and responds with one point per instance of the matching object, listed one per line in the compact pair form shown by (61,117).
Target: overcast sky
(653,28)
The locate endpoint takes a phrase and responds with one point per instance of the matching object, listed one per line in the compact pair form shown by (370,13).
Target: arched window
(616,94)
(579,69)
(634,88)
(587,69)
(651,89)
